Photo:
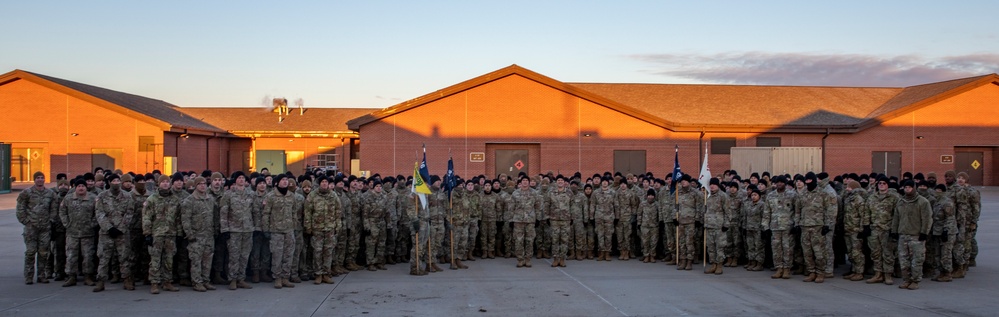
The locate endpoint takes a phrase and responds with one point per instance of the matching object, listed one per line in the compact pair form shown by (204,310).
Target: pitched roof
(158,112)
(731,108)
(257,120)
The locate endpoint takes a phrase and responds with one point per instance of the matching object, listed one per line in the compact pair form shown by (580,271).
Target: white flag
(705,176)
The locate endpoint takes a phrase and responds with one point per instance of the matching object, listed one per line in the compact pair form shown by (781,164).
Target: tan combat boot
(243,284)
(436,268)
(711,269)
(779,273)
(688,265)
(208,286)
(811,277)
(718,269)
(129,283)
(329,279)
(460,265)
(877,278)
(787,274)
(555,262)
(277,283)
(944,277)
(319,279)
(89,280)
(155,289)
(819,278)
(70,282)
(680,264)
(913,286)
(286,283)
(589,255)
(99,287)
(520,262)
(527,262)
(888,279)
(169,287)
(199,287)
(256,276)
(905,285)
(232,285)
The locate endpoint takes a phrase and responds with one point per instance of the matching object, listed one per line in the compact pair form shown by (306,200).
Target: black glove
(893,236)
(825,230)
(922,237)
(257,234)
(698,224)
(766,234)
(945,236)
(796,230)
(867,232)
(149,240)
(114,233)
(415,225)
(267,235)
(634,220)
(191,239)
(724,229)
(675,222)
(226,236)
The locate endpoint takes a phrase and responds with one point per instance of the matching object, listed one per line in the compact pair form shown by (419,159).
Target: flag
(420,187)
(705,176)
(449,180)
(677,174)
(424,172)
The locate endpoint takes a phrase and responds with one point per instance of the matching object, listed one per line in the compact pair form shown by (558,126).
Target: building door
(295,160)
(972,163)
(629,161)
(26,161)
(512,162)
(887,162)
(272,160)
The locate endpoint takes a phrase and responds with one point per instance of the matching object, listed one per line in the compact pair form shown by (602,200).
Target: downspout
(824,150)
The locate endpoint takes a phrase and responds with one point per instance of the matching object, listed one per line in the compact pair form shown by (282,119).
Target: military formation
(201,230)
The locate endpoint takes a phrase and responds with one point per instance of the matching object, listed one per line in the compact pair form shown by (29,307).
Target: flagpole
(450,196)
(676,196)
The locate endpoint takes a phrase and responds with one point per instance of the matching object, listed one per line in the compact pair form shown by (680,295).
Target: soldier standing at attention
(883,248)
(689,215)
(625,203)
(236,225)
(523,205)
(716,224)
(814,214)
(778,220)
(217,191)
(114,215)
(944,234)
(323,216)
(856,226)
(197,218)
(375,215)
(560,200)
(603,213)
(160,226)
(278,225)
(911,225)
(648,220)
(37,210)
(752,212)
(487,203)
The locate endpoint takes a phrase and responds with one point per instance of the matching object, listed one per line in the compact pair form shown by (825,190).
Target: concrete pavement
(496,288)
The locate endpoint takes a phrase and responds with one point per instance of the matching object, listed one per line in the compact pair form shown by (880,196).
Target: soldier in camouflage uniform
(884,249)
(856,227)
(967,203)
(505,206)
(473,197)
(815,214)
(604,214)
(716,224)
(487,204)
(419,229)
(160,227)
(944,234)
(57,247)
(778,220)
(392,225)
(217,191)
(354,223)
(37,209)
(911,225)
(300,245)
(459,218)
(625,203)
(197,219)
(375,215)
(543,242)
(559,215)
(236,225)
(438,213)
(523,205)
(140,253)
(323,218)
(648,220)
(690,212)
(182,259)
(733,237)
(260,255)
(77,213)
(115,210)
(278,225)
(667,215)
(403,203)
(752,212)
(578,211)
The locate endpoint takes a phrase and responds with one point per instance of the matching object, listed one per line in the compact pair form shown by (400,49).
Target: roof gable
(257,120)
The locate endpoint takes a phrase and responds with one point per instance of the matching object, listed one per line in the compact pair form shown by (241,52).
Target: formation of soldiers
(201,230)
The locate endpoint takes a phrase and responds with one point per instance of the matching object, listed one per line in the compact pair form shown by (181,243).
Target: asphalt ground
(497,288)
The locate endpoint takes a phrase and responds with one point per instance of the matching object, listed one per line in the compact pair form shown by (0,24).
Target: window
(768,141)
(722,145)
(146,144)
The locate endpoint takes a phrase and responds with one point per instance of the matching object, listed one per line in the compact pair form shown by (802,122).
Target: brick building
(514,119)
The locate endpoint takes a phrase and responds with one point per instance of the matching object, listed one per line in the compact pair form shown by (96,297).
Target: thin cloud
(762,68)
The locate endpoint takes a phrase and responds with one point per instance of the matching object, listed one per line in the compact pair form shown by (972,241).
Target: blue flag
(677,174)
(450,180)
(424,172)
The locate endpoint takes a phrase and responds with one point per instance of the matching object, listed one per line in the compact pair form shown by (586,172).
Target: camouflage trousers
(716,242)
(560,230)
(473,235)
(813,244)
(75,246)
(782,242)
(421,241)
(403,239)
(437,239)
(375,244)
(305,260)
(591,236)
(911,254)
(579,235)
(238,246)
(507,232)
(650,239)
(605,233)
(624,235)
(973,245)
(855,248)
(296,257)
(220,256)
(182,261)
(353,240)
(391,235)
(36,250)
(883,251)
(458,242)
(754,246)
(687,238)
(282,251)
(140,255)
(340,256)
(669,239)
(323,243)
(56,262)
(959,247)
(523,236)
(734,247)
(161,259)
(201,250)
(941,253)
(544,233)
(830,254)
(109,248)
(260,255)
(488,236)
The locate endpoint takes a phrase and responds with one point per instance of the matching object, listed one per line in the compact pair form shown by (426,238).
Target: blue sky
(379,53)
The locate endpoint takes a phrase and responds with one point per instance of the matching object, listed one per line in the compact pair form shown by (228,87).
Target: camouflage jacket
(523,206)
(603,205)
(733,208)
(716,213)
(279,212)
(299,211)
(216,216)
(405,201)
(78,215)
(560,204)
(390,206)
(691,208)
(196,216)
(913,216)
(475,209)
(856,214)
(542,212)
(943,215)
(778,212)
(461,207)
(648,213)
(161,215)
(353,218)
(882,208)
(114,210)
(259,199)
(625,203)
(374,210)
(323,211)
(579,209)
(438,206)
(236,213)
(487,203)
(137,201)
(348,208)
(815,208)
(753,214)
(667,205)
(37,208)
